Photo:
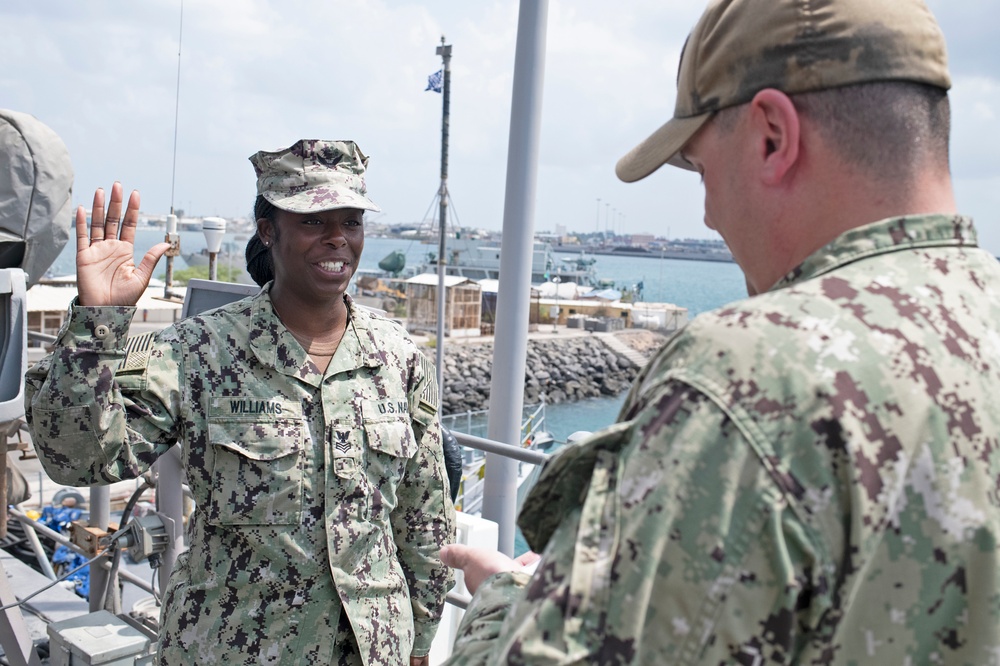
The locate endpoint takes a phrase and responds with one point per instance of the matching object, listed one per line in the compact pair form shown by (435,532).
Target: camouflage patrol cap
(740,47)
(314,175)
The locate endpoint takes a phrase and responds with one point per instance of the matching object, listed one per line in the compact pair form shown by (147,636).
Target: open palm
(105,270)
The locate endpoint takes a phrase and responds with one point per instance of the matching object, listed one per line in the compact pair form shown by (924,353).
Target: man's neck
(847,201)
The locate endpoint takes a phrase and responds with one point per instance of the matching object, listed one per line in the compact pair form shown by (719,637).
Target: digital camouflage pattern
(809,476)
(314,175)
(740,47)
(321,502)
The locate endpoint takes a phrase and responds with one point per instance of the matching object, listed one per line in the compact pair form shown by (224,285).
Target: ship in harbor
(478,259)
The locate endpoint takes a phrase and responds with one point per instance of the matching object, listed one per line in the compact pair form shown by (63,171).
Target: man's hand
(105,271)
(420,661)
(478,564)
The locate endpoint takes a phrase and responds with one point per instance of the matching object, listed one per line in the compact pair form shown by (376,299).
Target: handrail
(501,449)
(38,550)
(41,337)
(530,423)
(29,522)
(460,600)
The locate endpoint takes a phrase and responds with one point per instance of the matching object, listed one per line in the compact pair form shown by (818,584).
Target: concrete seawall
(562,368)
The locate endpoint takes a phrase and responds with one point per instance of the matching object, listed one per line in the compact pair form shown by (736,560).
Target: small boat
(581,261)
(393,263)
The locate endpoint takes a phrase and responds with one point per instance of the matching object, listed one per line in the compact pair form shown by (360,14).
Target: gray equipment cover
(36,194)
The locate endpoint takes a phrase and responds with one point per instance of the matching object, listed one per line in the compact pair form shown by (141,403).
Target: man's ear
(777,131)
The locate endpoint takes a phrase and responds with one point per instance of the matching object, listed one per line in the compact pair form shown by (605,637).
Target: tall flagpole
(445,52)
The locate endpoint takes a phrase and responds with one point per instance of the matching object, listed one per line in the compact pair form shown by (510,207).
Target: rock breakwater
(562,370)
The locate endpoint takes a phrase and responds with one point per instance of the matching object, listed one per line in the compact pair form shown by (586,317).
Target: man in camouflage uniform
(320,501)
(809,476)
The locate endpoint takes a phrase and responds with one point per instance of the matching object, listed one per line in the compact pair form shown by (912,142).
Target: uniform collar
(363,348)
(274,345)
(888,235)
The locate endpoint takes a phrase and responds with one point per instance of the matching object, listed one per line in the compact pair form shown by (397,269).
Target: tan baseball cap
(314,175)
(740,47)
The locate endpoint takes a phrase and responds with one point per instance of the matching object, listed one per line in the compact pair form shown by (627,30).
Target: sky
(261,74)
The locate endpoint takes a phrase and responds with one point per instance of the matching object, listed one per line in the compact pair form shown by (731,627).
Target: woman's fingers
(107,226)
(131,218)
(82,237)
(97,216)
(111,220)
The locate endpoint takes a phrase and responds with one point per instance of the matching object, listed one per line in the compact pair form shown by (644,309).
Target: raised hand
(105,271)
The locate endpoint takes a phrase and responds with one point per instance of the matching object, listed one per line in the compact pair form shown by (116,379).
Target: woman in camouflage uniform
(308,430)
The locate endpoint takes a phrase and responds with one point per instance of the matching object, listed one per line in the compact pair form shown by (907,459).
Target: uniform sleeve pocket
(256,473)
(68,446)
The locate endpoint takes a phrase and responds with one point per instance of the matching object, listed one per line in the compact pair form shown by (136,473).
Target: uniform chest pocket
(257,472)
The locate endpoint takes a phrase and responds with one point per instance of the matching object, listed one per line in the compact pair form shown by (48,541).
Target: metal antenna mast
(177,107)
(172,236)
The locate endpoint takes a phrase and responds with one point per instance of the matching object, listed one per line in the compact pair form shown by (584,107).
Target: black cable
(116,559)
(152,586)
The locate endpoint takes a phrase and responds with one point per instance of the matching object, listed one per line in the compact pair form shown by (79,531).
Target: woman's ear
(777,133)
(265,231)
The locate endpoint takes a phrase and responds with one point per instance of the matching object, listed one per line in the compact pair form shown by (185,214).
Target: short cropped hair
(887,129)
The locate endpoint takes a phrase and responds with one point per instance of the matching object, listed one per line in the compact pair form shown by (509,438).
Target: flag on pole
(435,81)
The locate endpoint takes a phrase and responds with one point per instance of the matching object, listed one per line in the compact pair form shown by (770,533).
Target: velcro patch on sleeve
(428,401)
(137,351)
